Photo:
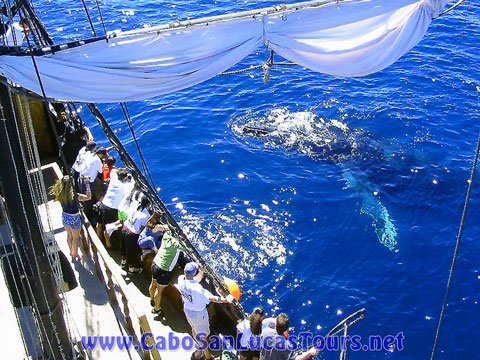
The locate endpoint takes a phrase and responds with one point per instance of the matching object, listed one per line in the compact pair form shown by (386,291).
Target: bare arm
(88,195)
(219,300)
(307,354)
(199,276)
(89,134)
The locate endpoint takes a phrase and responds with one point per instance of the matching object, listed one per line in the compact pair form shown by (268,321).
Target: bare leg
(108,243)
(158,296)
(100,231)
(75,242)
(69,238)
(152,288)
(105,234)
(206,352)
(243,357)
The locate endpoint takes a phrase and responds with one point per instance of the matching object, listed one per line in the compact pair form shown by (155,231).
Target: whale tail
(383,225)
(373,207)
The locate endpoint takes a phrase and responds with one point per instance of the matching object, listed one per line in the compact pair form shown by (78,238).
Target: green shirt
(167,255)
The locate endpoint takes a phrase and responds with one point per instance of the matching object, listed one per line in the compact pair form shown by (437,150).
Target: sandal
(156,311)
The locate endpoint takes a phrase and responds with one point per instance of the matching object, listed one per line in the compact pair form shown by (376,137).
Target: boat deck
(91,308)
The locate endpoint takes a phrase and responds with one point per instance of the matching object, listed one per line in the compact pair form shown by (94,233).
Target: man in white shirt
(93,166)
(195,300)
(79,164)
(16,33)
(120,186)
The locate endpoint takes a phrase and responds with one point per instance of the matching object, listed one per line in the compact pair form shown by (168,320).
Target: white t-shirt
(125,205)
(93,166)
(14,35)
(194,296)
(243,327)
(117,191)
(136,220)
(79,163)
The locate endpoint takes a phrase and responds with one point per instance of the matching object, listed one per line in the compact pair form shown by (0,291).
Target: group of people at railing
(113,204)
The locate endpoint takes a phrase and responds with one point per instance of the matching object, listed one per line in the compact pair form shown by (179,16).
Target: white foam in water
(238,245)
(179,206)
(329,140)
(265,207)
(231,241)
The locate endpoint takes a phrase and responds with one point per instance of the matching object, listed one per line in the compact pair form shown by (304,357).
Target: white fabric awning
(350,38)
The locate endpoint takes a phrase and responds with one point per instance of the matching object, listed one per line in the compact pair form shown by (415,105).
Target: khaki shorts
(199,321)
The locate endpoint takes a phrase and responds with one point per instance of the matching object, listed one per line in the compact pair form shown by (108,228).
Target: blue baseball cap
(191,269)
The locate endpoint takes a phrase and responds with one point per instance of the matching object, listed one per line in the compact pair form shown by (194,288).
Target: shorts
(107,214)
(122,215)
(199,321)
(249,354)
(162,277)
(74,222)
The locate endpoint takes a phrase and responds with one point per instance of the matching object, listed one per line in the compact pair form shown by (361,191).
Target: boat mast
(27,233)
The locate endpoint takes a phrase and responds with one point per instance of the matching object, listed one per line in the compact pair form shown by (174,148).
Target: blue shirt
(149,239)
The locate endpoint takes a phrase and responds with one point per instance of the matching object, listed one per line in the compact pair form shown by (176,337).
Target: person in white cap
(195,300)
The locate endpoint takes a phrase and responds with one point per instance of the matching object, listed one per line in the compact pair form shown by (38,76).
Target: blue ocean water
(311,230)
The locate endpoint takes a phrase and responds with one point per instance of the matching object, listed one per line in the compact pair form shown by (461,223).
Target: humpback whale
(329,141)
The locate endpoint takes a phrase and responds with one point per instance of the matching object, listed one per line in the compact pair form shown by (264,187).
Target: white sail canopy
(350,38)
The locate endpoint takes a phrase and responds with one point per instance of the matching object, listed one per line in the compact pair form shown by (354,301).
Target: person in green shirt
(162,266)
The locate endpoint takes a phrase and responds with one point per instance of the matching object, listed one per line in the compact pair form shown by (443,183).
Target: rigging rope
(14,251)
(101,18)
(254,68)
(35,305)
(41,190)
(449,9)
(158,204)
(52,123)
(35,158)
(457,245)
(142,159)
(89,18)
(42,234)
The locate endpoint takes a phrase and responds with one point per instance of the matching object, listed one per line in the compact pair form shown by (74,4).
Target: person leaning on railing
(120,186)
(150,238)
(132,227)
(163,264)
(247,329)
(195,300)
(276,331)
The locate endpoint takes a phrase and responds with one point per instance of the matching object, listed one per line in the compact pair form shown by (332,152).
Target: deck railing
(115,282)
